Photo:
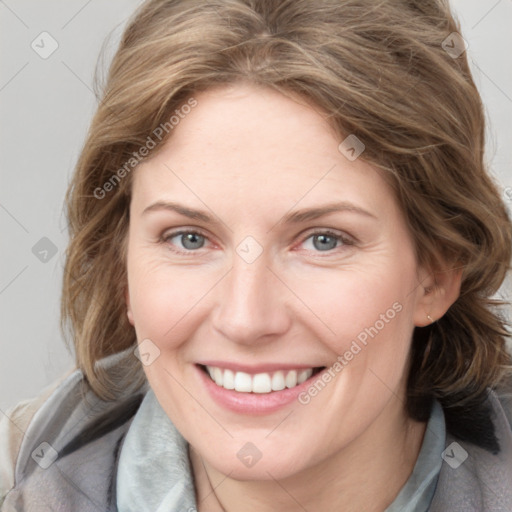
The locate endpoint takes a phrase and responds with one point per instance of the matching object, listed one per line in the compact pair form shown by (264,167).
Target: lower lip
(253,403)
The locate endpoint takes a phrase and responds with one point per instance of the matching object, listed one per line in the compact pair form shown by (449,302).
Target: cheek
(361,304)
(164,299)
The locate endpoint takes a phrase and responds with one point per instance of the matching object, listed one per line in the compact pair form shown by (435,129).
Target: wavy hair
(382,71)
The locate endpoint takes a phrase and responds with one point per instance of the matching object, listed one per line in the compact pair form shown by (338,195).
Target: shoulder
(62,445)
(504,395)
(13,425)
(473,479)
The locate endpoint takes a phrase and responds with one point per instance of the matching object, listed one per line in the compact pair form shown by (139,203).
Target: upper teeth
(259,383)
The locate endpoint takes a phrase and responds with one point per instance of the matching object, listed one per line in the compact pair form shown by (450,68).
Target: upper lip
(253,369)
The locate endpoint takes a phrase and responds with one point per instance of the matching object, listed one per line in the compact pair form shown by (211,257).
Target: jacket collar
(473,479)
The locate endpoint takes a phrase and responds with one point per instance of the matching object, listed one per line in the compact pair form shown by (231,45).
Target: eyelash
(345,241)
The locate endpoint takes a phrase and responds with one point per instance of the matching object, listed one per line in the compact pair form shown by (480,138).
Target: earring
(430,319)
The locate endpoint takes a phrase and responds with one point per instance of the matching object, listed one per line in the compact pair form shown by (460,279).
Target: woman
(284,247)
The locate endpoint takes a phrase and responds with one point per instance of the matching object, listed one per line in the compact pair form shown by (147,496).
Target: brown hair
(381,72)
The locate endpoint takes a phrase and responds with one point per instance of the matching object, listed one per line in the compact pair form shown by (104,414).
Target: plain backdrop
(46,103)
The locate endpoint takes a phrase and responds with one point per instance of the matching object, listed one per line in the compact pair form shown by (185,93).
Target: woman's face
(261,250)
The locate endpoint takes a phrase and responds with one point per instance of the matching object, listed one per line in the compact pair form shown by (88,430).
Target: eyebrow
(295,217)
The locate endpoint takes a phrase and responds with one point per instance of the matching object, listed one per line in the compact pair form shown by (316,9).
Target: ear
(129,313)
(437,291)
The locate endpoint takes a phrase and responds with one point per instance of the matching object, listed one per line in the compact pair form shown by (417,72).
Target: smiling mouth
(266,382)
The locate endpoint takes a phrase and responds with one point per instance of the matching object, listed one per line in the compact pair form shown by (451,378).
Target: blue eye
(326,241)
(190,240)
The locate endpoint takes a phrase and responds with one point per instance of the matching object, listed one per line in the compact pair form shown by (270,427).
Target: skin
(248,156)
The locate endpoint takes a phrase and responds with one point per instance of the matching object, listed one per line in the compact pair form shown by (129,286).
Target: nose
(250,303)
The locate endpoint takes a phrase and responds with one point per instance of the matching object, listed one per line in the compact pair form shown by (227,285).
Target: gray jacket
(60,451)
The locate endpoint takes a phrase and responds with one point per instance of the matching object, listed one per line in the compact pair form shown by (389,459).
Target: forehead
(253,146)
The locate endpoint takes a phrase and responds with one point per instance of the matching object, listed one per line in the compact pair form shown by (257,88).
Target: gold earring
(430,319)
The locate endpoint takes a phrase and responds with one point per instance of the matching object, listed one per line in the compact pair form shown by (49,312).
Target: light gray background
(45,108)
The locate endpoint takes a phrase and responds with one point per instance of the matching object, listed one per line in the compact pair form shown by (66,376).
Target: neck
(366,475)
